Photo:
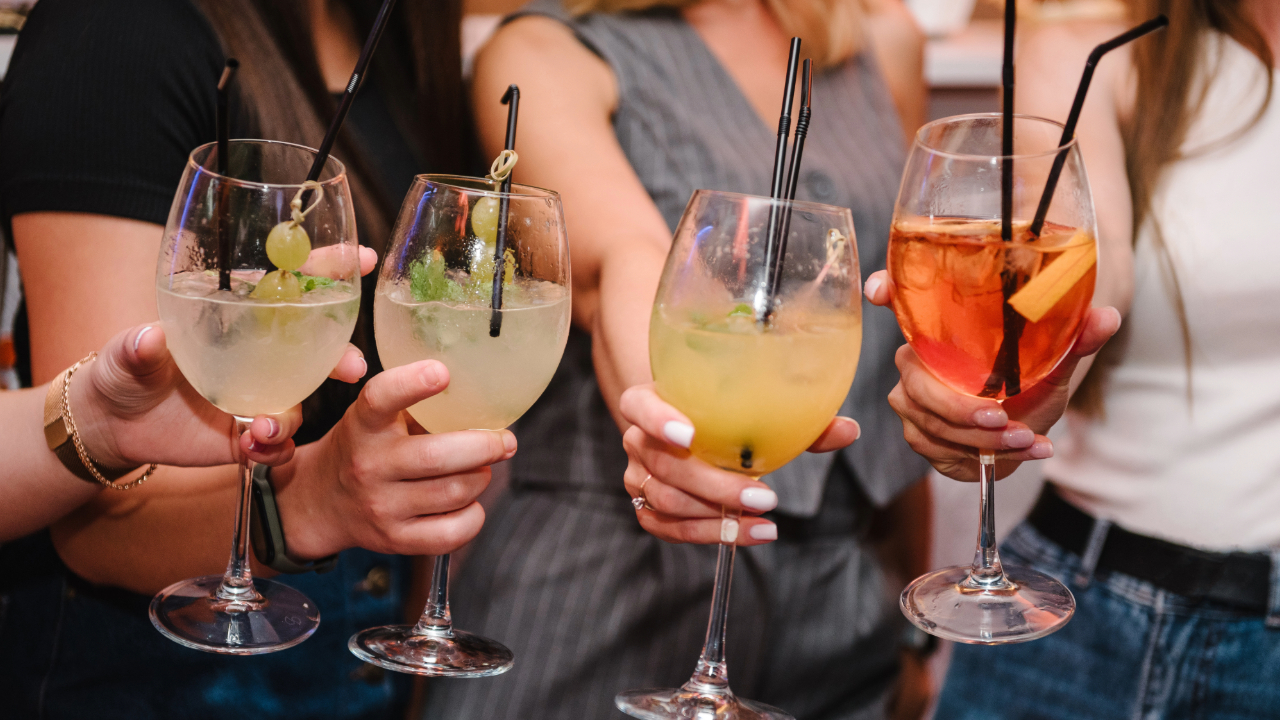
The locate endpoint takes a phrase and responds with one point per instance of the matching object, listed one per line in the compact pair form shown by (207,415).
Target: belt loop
(1273,594)
(1092,551)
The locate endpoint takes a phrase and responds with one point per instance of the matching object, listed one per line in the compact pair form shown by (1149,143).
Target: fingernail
(138,340)
(728,531)
(991,418)
(508,441)
(762,499)
(678,433)
(255,446)
(1042,450)
(364,367)
(763,531)
(1018,438)
(431,375)
(275,428)
(872,287)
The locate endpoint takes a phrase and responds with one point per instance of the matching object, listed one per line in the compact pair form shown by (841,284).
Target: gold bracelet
(60,428)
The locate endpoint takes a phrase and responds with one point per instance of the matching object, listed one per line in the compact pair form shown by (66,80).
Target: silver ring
(640,502)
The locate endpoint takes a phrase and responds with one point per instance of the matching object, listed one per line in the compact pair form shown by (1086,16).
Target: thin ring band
(640,502)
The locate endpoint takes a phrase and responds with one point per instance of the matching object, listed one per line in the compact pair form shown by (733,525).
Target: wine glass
(991,310)
(437,299)
(756,340)
(257,310)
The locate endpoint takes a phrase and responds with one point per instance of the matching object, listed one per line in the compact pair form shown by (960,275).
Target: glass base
(458,654)
(190,613)
(686,703)
(1032,606)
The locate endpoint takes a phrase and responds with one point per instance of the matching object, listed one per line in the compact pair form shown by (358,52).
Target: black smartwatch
(267,535)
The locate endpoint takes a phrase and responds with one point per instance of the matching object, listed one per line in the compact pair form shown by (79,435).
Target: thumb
(1099,325)
(140,352)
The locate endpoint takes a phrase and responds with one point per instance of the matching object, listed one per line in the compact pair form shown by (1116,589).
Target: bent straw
(779,168)
(348,97)
(1007,371)
(1069,129)
(511,98)
(793,174)
(223,129)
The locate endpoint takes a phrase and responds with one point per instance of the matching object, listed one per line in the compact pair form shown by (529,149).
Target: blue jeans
(1132,652)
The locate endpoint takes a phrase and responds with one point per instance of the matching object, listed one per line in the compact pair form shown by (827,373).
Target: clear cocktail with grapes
(258,292)
(760,356)
(437,299)
(991,304)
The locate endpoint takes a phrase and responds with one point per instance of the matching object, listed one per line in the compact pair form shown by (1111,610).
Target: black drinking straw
(511,98)
(1069,129)
(1007,356)
(348,97)
(793,174)
(779,172)
(1007,372)
(223,129)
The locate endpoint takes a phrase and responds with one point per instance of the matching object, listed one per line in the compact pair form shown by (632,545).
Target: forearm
(620,324)
(177,525)
(35,488)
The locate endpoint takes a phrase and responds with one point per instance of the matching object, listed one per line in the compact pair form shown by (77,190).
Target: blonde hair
(830,29)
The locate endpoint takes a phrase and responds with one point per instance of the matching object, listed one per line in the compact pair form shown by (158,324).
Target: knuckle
(427,455)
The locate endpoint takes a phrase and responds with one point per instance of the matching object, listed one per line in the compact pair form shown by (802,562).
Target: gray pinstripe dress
(563,573)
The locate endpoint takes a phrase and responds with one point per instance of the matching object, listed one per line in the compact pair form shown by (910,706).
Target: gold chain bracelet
(75,435)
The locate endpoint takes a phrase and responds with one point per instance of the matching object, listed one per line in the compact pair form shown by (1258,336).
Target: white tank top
(1203,472)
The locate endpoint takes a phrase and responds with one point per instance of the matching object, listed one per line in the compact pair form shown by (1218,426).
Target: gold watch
(63,439)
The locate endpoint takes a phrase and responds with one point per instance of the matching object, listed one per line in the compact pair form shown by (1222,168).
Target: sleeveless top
(684,124)
(1198,466)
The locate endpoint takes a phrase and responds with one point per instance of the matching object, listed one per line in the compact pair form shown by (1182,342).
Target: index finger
(954,407)
(396,389)
(641,406)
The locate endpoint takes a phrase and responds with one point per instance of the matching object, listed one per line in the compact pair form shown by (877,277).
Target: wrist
(305,515)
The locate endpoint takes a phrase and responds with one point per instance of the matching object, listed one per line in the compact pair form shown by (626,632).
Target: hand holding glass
(260,345)
(435,301)
(990,316)
(759,376)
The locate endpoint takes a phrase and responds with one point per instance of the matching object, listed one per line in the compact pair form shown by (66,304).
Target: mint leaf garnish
(427,281)
(313,282)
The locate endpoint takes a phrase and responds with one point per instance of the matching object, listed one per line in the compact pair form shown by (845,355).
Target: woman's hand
(945,426)
(685,494)
(132,406)
(377,481)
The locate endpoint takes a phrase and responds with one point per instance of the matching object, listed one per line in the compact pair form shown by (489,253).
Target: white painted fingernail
(364,367)
(728,531)
(138,340)
(678,433)
(765,531)
(872,287)
(762,499)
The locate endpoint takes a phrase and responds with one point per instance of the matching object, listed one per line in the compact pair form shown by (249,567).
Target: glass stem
(237,583)
(436,619)
(987,572)
(712,673)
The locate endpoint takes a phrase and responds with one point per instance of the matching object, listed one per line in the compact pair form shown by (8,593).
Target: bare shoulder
(892,29)
(542,52)
(1051,60)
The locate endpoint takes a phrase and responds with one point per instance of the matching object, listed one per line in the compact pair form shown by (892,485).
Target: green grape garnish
(484,221)
(279,286)
(288,245)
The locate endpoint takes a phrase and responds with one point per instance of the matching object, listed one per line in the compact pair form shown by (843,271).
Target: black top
(102,104)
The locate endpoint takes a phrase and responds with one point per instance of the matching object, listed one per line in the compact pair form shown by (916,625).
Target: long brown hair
(282,95)
(1171,87)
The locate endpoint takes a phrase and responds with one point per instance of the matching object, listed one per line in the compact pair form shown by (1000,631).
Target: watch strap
(266,533)
(57,434)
